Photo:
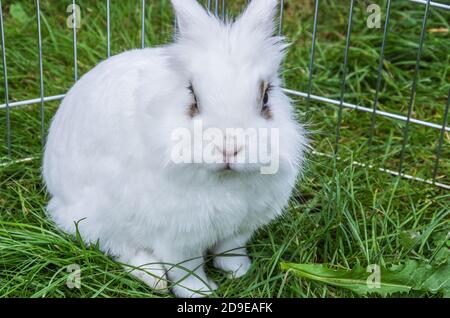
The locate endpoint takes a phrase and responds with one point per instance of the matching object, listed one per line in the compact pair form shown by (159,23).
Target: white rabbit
(109,160)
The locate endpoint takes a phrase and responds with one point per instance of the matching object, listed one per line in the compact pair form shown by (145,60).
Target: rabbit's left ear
(190,15)
(259,16)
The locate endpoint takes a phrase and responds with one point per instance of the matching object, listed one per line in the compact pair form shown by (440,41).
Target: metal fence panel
(218,7)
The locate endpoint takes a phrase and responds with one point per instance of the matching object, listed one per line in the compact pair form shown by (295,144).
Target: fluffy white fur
(107,161)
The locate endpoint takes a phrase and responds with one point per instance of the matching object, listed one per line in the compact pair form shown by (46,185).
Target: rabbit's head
(231,91)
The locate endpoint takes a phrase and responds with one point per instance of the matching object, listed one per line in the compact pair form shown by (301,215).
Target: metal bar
(209,5)
(356,163)
(414,88)
(280,26)
(441,138)
(380,71)
(31,101)
(216,8)
(175,28)
(143,25)
(288,91)
(14,162)
(391,172)
(108,29)
(433,4)
(5,82)
(41,73)
(344,77)
(75,57)
(365,109)
(312,55)
(223,10)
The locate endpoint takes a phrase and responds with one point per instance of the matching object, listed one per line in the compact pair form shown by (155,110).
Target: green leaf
(408,239)
(18,13)
(412,276)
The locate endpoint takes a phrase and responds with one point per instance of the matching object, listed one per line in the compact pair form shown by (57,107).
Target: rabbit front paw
(234,266)
(148,269)
(193,287)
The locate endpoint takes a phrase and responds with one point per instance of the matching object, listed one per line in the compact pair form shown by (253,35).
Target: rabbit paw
(192,287)
(234,266)
(148,270)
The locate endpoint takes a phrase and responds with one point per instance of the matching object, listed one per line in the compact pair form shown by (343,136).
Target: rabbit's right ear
(259,17)
(191,16)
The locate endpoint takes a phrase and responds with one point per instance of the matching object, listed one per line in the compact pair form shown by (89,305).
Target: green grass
(340,215)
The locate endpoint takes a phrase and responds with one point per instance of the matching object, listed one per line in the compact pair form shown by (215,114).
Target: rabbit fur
(108,160)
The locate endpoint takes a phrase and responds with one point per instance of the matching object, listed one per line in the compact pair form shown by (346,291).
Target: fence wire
(218,7)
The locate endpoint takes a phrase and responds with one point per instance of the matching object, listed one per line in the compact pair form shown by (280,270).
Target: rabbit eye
(266,98)
(193,109)
(266,111)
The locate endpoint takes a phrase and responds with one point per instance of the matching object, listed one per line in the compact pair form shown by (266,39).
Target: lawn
(341,214)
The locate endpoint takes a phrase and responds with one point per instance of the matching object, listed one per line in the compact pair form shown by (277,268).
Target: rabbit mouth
(228,169)
(236,169)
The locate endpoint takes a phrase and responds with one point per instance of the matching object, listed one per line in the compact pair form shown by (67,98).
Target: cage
(437,173)
(369,77)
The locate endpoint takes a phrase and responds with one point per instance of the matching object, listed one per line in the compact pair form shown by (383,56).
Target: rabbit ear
(190,15)
(259,15)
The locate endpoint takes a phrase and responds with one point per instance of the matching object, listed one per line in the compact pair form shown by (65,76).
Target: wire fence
(218,7)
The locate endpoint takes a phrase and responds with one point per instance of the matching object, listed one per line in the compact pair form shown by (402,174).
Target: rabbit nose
(230,152)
